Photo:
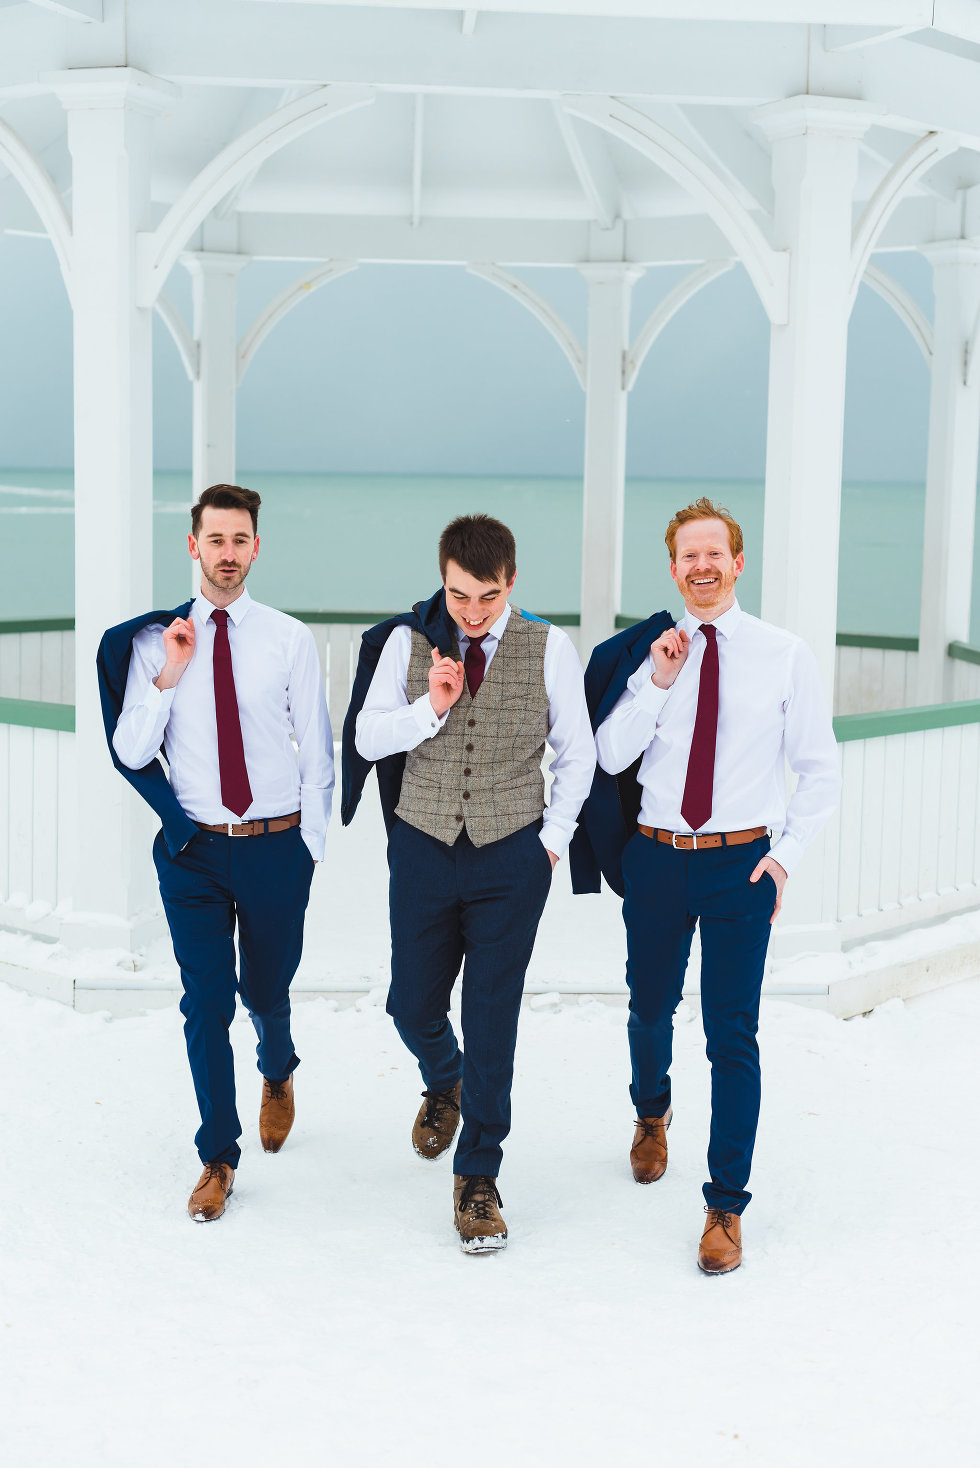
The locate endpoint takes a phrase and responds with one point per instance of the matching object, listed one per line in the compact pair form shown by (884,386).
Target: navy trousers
(475,908)
(667,893)
(262,883)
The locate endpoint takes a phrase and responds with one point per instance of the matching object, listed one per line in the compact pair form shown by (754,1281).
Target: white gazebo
(803,139)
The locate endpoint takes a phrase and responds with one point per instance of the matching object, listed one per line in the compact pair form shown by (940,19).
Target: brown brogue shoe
(721,1242)
(277,1113)
(477,1212)
(648,1155)
(435,1126)
(214,1188)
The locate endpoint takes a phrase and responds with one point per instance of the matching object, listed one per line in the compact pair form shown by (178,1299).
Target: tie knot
(220,617)
(709,630)
(476,641)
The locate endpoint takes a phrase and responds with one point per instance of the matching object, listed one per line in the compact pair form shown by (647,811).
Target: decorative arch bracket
(768,268)
(918,324)
(556,325)
(39,187)
(298,291)
(188,347)
(157,251)
(924,154)
(665,311)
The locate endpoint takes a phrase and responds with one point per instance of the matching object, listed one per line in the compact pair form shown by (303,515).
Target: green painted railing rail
(884,643)
(962,652)
(905,721)
(30,713)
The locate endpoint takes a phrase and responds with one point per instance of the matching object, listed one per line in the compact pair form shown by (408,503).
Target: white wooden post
(815,158)
(110,119)
(610,287)
(215,286)
(951,474)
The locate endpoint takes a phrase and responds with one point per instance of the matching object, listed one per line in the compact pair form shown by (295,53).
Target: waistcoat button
(471,723)
(466,796)
(469,749)
(458,817)
(467,771)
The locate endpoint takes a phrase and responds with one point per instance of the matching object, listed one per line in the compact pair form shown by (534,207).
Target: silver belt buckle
(233,832)
(673,840)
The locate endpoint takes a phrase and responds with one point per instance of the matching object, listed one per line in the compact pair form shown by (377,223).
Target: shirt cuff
(156,698)
(315,842)
(647,695)
(787,851)
(556,836)
(428,721)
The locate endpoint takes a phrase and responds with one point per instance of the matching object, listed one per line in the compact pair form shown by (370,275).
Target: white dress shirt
(771,710)
(280,697)
(389,724)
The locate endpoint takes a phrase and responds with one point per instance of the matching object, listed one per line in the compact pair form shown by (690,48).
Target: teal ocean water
(367,543)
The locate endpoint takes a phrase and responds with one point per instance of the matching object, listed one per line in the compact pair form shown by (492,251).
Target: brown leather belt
(253,828)
(684,841)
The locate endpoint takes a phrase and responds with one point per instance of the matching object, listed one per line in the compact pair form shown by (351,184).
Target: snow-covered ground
(330,1317)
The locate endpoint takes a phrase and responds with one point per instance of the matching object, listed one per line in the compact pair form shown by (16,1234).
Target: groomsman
(714,712)
(225,685)
(459,716)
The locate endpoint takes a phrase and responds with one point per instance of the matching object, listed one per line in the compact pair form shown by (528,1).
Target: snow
(331,1317)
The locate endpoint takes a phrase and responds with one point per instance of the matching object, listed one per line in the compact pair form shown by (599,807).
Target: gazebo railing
(874,673)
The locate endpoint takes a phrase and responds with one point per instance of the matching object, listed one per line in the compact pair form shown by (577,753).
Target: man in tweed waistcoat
(474,846)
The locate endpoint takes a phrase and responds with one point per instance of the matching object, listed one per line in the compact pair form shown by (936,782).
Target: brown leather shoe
(214,1188)
(277,1113)
(435,1126)
(721,1242)
(476,1206)
(648,1155)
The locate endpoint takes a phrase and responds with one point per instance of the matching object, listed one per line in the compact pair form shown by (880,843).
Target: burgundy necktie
(475,665)
(699,785)
(236,793)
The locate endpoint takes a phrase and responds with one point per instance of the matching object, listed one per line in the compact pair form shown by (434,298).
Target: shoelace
(652,1129)
(718,1216)
(479,1207)
(278,1092)
(437,1102)
(214,1171)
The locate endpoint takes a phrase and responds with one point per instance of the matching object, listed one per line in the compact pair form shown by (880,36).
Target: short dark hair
(226,497)
(480,545)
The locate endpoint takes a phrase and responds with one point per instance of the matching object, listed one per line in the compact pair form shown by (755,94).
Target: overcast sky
(431,370)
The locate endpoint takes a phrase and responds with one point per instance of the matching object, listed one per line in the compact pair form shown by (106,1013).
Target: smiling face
(475,605)
(226,546)
(705,569)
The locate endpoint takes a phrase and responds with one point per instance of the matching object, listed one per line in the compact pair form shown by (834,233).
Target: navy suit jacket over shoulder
(112,662)
(609,815)
(431,618)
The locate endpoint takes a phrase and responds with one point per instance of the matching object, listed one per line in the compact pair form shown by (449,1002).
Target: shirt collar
(496,631)
(726,623)
(203,608)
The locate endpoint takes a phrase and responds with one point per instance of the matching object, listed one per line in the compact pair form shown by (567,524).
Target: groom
(221,687)
(456,702)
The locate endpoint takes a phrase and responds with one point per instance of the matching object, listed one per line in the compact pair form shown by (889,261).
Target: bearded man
(706,723)
(223,687)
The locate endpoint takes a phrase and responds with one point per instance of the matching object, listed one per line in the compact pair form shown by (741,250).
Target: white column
(815,159)
(110,119)
(951,473)
(610,287)
(215,286)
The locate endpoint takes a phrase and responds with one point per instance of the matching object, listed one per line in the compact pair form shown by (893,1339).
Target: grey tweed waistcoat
(482,771)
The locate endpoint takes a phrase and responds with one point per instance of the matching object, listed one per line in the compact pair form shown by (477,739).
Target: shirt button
(466,795)
(469,749)
(471,723)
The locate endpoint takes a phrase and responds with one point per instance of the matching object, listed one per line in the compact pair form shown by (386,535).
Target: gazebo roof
(481,135)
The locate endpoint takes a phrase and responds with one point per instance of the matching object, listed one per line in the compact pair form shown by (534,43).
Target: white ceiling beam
(85,10)
(839,38)
(817,12)
(467,23)
(593,166)
(213,44)
(418,142)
